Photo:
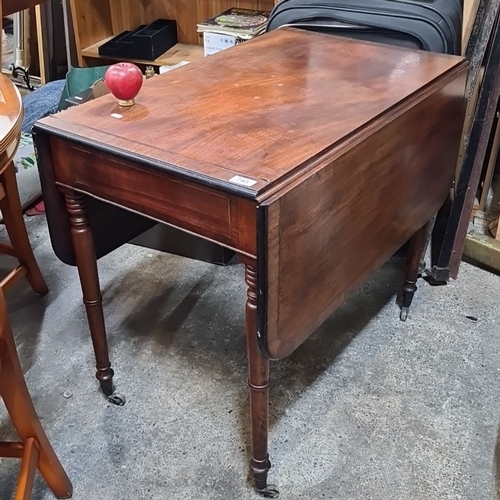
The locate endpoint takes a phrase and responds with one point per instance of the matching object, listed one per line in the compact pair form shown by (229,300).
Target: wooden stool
(11,115)
(34,448)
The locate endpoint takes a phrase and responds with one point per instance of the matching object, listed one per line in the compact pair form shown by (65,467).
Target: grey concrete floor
(368,408)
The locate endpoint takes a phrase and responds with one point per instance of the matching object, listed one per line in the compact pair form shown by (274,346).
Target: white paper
(215,42)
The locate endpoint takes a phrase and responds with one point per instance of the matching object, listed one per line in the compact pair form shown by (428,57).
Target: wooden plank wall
(470,9)
(91,21)
(12,6)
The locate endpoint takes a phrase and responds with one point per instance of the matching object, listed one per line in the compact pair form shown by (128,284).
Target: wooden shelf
(178,53)
(95,21)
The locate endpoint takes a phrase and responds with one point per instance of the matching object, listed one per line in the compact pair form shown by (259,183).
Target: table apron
(208,213)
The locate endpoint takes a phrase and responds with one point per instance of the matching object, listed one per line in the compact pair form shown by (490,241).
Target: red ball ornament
(124,80)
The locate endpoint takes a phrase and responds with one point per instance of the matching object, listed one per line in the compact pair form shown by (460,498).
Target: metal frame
(19,70)
(21,64)
(485,34)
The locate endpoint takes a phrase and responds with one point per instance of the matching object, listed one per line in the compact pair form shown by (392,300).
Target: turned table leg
(414,264)
(83,246)
(258,382)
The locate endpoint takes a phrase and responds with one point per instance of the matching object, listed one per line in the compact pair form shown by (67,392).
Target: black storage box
(145,42)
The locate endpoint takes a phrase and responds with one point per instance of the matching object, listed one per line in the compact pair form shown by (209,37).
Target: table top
(264,111)
(11,113)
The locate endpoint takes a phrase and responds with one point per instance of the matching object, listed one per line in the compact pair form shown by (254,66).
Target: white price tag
(242,181)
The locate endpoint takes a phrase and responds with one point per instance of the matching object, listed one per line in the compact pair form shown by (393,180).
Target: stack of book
(231,27)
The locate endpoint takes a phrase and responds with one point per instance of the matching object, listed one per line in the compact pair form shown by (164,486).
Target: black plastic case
(147,42)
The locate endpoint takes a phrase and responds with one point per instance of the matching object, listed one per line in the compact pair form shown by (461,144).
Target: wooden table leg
(258,382)
(83,246)
(418,245)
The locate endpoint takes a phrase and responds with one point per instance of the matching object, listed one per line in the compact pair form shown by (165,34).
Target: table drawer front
(205,212)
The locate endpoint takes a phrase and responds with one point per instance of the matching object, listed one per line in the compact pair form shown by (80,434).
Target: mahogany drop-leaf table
(313,157)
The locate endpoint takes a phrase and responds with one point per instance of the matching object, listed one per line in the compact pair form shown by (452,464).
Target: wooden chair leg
(20,407)
(27,472)
(14,223)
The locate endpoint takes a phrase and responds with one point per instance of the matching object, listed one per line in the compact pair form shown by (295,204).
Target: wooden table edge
(15,128)
(276,189)
(58,127)
(48,126)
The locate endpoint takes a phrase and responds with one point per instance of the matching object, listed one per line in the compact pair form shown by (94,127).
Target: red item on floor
(38,209)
